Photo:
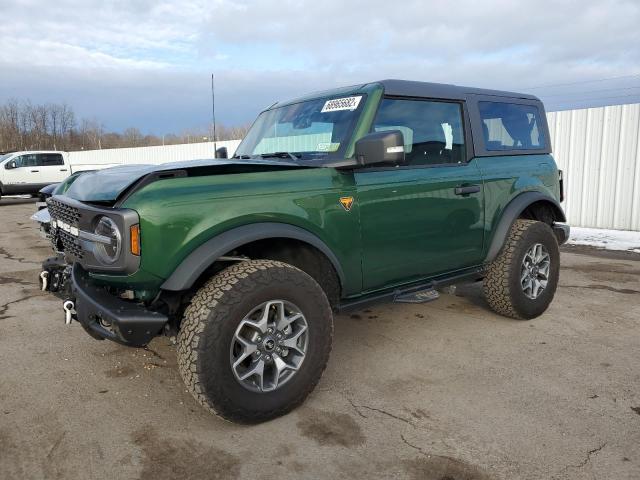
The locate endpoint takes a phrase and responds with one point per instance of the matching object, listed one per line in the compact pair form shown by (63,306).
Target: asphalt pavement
(441,391)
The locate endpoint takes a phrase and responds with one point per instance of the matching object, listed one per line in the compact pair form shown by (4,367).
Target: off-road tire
(209,324)
(502,287)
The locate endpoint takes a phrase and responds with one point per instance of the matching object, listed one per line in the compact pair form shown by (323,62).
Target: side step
(421,296)
(420,293)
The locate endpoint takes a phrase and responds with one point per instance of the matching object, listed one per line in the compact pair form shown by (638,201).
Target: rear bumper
(103,315)
(562,231)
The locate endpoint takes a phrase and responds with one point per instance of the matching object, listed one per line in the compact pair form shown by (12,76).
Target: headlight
(109,244)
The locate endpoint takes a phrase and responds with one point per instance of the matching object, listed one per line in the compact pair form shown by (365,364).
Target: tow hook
(44,278)
(69,309)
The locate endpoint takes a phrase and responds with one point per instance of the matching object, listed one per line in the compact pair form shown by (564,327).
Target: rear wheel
(521,282)
(255,340)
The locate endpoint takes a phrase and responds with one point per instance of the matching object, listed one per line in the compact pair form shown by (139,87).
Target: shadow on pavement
(6,201)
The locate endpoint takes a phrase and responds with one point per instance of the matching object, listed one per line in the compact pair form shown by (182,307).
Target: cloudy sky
(147,63)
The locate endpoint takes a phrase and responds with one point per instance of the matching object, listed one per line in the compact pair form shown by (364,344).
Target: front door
(425,217)
(25,178)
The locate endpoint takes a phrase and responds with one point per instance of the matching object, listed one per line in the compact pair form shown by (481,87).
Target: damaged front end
(82,242)
(56,271)
(55,278)
(55,275)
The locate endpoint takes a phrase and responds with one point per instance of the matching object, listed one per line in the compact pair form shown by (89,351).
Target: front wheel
(255,340)
(521,282)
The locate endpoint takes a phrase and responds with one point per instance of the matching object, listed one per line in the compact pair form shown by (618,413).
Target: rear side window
(50,159)
(511,126)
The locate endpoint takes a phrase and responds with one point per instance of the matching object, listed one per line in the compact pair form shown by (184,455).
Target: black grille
(64,212)
(71,245)
(71,216)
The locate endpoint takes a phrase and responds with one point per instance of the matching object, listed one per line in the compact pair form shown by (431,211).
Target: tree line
(54,126)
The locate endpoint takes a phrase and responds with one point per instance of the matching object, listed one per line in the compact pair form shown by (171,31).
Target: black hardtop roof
(409,88)
(442,90)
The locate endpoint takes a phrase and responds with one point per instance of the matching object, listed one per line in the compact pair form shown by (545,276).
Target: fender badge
(346,202)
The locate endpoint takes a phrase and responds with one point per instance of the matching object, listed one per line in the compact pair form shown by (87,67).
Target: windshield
(63,186)
(313,130)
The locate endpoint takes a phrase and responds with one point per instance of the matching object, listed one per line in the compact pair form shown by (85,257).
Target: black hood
(108,184)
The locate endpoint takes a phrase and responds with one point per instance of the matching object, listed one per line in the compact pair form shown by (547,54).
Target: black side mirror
(222,152)
(380,147)
(11,165)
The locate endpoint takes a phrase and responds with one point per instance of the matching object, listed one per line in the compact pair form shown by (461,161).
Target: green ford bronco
(385,191)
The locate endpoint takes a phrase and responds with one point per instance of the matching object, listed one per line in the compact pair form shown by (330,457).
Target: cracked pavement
(444,390)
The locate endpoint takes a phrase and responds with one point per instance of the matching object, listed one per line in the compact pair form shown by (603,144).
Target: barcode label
(347,103)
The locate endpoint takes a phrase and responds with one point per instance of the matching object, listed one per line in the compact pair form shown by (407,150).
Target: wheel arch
(528,205)
(203,257)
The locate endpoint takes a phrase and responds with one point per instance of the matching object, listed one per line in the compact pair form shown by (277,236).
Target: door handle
(466,189)
(35,171)
(63,169)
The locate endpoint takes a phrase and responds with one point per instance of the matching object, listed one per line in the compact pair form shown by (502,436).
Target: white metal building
(90,159)
(599,151)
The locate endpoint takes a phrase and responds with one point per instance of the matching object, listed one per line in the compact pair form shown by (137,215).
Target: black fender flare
(194,265)
(511,213)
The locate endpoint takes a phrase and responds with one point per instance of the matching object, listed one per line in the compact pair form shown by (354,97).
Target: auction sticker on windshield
(346,103)
(328,147)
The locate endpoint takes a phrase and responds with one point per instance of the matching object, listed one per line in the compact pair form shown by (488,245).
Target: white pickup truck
(27,172)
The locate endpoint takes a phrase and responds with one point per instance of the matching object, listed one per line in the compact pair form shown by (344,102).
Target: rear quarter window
(50,159)
(511,126)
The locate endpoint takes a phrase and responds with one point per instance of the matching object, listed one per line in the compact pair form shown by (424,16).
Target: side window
(27,161)
(50,159)
(511,126)
(433,131)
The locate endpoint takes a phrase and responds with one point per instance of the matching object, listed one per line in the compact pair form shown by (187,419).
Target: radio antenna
(213,115)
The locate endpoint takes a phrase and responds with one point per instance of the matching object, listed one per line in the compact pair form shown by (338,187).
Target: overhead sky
(147,63)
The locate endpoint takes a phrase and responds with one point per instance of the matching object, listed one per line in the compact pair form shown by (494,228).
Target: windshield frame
(316,158)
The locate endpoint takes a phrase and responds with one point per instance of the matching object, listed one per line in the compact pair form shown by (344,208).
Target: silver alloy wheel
(534,272)
(269,346)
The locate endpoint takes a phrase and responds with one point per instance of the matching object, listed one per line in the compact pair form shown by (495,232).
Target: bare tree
(39,123)
(132,137)
(24,125)
(91,133)
(9,125)
(67,124)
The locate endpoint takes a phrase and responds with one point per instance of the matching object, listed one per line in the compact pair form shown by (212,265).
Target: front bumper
(562,231)
(103,315)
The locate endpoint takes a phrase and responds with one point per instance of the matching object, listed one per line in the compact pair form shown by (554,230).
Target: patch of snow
(607,239)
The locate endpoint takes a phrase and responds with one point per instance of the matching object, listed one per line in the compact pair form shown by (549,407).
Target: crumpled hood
(107,185)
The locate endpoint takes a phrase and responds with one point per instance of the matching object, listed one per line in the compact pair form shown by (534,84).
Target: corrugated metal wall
(599,151)
(90,159)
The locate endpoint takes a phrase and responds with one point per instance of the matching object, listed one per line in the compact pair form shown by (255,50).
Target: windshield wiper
(290,155)
(241,157)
